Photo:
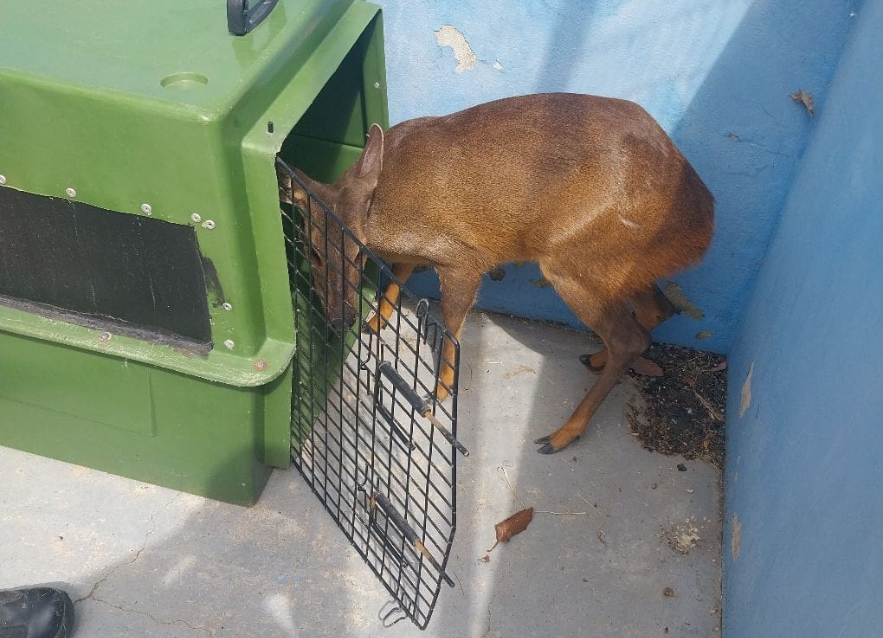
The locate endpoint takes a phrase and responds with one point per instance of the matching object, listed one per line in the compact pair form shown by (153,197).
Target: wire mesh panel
(368,433)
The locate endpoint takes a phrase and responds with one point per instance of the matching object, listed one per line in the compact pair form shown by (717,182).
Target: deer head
(333,250)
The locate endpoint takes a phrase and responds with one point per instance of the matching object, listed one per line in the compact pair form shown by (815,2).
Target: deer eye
(315,256)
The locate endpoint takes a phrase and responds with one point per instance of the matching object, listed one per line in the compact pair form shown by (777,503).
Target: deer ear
(371,161)
(284,180)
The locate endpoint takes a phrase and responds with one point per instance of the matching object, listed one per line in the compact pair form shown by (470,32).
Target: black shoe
(41,612)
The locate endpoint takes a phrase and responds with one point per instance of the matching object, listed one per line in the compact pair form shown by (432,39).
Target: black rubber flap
(143,274)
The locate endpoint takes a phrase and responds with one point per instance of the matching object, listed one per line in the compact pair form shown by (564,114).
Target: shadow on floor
(147,561)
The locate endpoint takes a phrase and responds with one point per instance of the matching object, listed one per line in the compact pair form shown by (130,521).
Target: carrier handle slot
(241,18)
(379,500)
(396,428)
(411,396)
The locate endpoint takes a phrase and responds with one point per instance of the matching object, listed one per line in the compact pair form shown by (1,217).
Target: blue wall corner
(804,512)
(717,75)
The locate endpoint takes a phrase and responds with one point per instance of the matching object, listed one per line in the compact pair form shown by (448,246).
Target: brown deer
(589,187)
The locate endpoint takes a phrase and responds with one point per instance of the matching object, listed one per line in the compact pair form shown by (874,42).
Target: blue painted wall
(710,71)
(804,539)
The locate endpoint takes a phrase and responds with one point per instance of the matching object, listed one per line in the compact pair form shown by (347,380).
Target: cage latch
(390,614)
(422,407)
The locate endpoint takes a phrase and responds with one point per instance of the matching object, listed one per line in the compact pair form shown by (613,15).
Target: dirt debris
(683,536)
(802,97)
(683,411)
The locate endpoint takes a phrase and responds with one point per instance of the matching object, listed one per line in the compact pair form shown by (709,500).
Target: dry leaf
(513,525)
(721,366)
(806,99)
(646,368)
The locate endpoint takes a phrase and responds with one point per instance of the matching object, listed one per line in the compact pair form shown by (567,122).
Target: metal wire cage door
(367,433)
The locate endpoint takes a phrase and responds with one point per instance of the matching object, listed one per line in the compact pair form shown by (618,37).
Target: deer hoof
(549,446)
(586,360)
(372,326)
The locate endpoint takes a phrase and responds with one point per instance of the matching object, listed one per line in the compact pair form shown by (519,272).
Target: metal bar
(386,369)
(394,425)
(383,503)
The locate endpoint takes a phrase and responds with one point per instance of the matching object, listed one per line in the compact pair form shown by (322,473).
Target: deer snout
(345,320)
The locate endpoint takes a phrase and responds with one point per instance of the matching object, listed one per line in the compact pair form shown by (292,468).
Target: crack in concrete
(769,115)
(490,604)
(154,618)
(92,592)
(138,552)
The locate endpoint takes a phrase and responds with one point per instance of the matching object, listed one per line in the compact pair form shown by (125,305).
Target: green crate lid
(154,108)
(177,52)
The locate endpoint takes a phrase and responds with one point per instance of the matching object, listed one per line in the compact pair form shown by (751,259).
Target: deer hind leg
(458,290)
(388,299)
(625,339)
(651,309)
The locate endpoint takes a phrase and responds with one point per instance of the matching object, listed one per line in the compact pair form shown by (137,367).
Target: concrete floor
(635,550)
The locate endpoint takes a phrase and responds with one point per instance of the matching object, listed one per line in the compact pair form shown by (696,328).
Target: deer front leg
(389,298)
(458,290)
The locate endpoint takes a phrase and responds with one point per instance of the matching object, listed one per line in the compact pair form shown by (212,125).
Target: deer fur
(590,188)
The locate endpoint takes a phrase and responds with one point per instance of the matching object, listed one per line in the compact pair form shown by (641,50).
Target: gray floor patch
(633,548)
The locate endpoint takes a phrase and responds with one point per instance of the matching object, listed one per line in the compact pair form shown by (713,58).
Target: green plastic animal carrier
(158,312)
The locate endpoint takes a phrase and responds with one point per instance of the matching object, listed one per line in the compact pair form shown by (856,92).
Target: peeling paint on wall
(745,400)
(805,98)
(735,536)
(448,36)
(678,297)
